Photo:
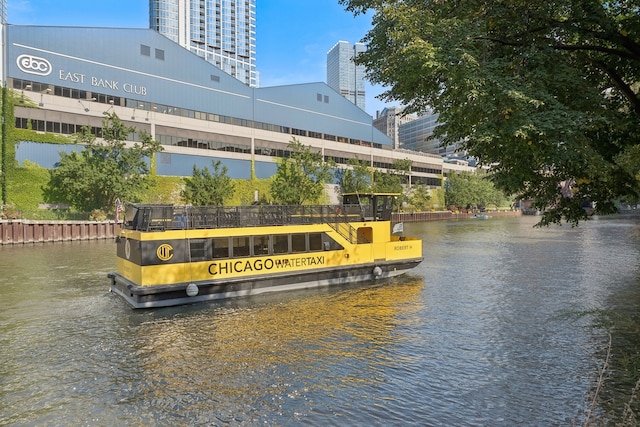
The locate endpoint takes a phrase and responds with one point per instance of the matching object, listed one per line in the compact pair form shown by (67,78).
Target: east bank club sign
(42,67)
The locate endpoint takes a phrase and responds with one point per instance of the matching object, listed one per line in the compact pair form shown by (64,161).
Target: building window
(160,54)
(326,99)
(319,97)
(215,78)
(145,50)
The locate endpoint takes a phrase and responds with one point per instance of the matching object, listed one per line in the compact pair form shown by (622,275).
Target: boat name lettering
(263,264)
(401,248)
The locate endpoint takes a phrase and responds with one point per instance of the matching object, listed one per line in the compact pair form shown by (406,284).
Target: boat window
(365,235)
(298,243)
(221,247)
(315,241)
(261,245)
(240,246)
(280,243)
(198,250)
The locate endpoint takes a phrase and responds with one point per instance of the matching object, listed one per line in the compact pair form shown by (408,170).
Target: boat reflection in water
(291,346)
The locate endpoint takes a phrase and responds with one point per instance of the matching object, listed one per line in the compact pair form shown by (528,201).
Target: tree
(103,171)
(392,180)
(356,179)
(467,189)
(419,197)
(546,93)
(300,177)
(207,189)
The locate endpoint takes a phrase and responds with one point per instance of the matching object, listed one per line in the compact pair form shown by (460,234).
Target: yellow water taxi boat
(170,255)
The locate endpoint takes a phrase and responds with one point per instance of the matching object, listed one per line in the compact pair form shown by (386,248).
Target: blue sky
(292,40)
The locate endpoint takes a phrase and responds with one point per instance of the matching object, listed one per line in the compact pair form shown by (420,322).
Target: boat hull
(195,292)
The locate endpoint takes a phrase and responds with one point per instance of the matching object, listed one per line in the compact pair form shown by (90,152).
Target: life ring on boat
(192,290)
(377,271)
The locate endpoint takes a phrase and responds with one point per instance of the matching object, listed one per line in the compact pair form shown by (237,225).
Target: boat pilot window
(221,247)
(261,245)
(298,243)
(198,250)
(315,241)
(280,243)
(240,246)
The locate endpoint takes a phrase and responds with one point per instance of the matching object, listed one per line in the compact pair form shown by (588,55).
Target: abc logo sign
(34,65)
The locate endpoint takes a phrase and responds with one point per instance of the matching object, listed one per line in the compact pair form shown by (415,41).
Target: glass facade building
(3,11)
(223,32)
(343,75)
(417,135)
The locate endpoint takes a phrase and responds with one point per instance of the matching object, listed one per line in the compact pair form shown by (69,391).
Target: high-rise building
(3,11)
(417,135)
(343,75)
(389,121)
(223,32)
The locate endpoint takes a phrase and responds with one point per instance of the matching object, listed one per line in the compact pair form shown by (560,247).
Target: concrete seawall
(23,231)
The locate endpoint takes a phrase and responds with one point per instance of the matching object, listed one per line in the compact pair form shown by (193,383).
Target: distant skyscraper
(388,122)
(343,75)
(3,11)
(222,31)
(417,135)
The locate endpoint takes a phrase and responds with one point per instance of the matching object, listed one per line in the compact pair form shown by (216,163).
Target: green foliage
(466,189)
(25,186)
(245,191)
(356,178)
(103,171)
(7,141)
(420,198)
(543,92)
(163,189)
(208,189)
(301,177)
(33,136)
(392,180)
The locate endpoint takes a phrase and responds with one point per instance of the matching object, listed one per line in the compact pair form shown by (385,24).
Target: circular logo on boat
(165,252)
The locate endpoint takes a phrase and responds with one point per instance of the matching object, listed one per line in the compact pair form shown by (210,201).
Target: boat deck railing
(147,217)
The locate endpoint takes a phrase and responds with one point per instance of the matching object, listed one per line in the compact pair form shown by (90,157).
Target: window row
(183,112)
(263,245)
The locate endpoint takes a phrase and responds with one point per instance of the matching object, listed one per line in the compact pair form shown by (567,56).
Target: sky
(292,36)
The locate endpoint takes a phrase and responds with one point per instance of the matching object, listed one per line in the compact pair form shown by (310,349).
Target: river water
(487,331)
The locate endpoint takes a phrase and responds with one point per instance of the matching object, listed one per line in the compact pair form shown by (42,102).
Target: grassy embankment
(24,193)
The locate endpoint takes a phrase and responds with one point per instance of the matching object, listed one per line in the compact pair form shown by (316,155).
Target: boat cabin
(373,206)
(354,207)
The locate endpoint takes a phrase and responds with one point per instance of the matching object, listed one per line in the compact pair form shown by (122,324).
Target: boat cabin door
(383,204)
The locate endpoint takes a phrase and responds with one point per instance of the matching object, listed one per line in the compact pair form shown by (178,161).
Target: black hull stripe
(161,296)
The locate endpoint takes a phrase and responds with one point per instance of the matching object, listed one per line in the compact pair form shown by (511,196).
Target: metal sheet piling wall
(445,215)
(23,231)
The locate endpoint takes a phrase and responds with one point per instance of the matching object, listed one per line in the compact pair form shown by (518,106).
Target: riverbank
(21,231)
(446,215)
(25,231)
